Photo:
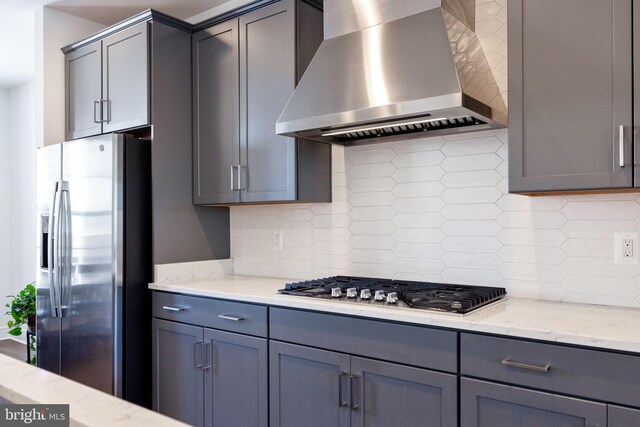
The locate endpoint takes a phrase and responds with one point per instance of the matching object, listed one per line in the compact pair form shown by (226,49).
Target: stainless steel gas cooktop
(460,299)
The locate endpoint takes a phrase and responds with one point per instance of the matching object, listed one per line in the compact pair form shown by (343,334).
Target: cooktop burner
(386,292)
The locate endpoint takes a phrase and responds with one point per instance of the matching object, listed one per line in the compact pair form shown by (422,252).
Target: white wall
(437,209)
(54,29)
(5,195)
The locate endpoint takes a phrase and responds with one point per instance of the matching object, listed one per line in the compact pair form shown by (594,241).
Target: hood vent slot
(400,128)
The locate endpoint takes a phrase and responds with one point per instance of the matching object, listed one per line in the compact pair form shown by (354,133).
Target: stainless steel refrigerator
(93,304)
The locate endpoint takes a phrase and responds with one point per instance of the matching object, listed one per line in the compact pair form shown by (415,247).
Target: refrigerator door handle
(64,284)
(52,243)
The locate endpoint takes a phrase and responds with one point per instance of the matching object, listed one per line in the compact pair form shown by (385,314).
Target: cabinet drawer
(411,345)
(601,375)
(211,313)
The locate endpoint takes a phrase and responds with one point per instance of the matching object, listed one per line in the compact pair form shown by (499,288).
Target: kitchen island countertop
(606,327)
(22,383)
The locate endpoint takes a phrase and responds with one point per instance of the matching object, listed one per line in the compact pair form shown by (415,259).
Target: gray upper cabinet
(216,129)
(83,68)
(245,70)
(125,79)
(571,94)
(485,404)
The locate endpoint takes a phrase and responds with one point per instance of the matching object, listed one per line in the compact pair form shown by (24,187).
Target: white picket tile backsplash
(437,209)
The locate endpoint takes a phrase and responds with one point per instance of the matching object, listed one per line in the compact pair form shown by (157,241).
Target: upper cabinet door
(267,79)
(216,112)
(125,76)
(570,90)
(83,92)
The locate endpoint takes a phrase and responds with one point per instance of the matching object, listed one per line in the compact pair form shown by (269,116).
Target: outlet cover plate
(618,238)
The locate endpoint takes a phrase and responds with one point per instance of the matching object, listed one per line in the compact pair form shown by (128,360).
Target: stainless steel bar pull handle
(52,260)
(352,390)
(103,103)
(95,105)
(207,355)
(231,317)
(341,402)
(521,365)
(621,145)
(233,178)
(173,308)
(197,354)
(64,240)
(242,177)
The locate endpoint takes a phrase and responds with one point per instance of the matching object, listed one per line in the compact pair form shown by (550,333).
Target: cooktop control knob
(352,293)
(336,292)
(365,294)
(379,296)
(392,297)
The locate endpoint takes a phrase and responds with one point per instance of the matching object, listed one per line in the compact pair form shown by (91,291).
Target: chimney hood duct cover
(418,76)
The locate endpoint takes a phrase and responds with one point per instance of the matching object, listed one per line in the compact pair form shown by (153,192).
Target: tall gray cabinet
(571,124)
(244,71)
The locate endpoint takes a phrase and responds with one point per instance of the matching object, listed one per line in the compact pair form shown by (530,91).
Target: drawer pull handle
(230,317)
(521,365)
(172,308)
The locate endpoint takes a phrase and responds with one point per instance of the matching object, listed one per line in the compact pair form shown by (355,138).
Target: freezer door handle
(64,285)
(54,250)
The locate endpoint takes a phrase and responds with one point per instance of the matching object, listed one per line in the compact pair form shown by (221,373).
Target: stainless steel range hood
(421,75)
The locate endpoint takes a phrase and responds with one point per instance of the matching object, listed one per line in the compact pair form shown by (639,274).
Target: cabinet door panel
(623,417)
(402,396)
(216,99)
(83,91)
(485,404)
(570,91)
(177,383)
(236,383)
(304,387)
(267,79)
(125,76)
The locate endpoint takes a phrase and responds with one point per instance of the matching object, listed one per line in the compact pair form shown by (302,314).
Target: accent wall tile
(602,248)
(483,261)
(470,276)
(471,211)
(375,155)
(471,146)
(422,158)
(599,229)
(437,209)
(366,241)
(471,228)
(471,179)
(419,174)
(418,250)
(380,198)
(471,244)
(430,220)
(419,235)
(418,204)
(373,256)
(535,220)
(372,227)
(372,213)
(372,184)
(611,210)
(372,170)
(476,162)
(418,189)
(416,145)
(532,254)
(471,195)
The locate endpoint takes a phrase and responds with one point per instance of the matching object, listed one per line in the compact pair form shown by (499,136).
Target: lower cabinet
(486,404)
(207,377)
(311,387)
(623,417)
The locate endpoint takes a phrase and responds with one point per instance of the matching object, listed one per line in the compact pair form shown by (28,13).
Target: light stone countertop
(25,384)
(596,326)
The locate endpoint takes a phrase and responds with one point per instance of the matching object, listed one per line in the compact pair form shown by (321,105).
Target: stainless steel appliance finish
(395,80)
(89,307)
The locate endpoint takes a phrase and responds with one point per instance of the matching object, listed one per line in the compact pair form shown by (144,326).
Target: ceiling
(17,25)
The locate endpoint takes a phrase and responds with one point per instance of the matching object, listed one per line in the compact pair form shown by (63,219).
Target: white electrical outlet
(278,240)
(626,248)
